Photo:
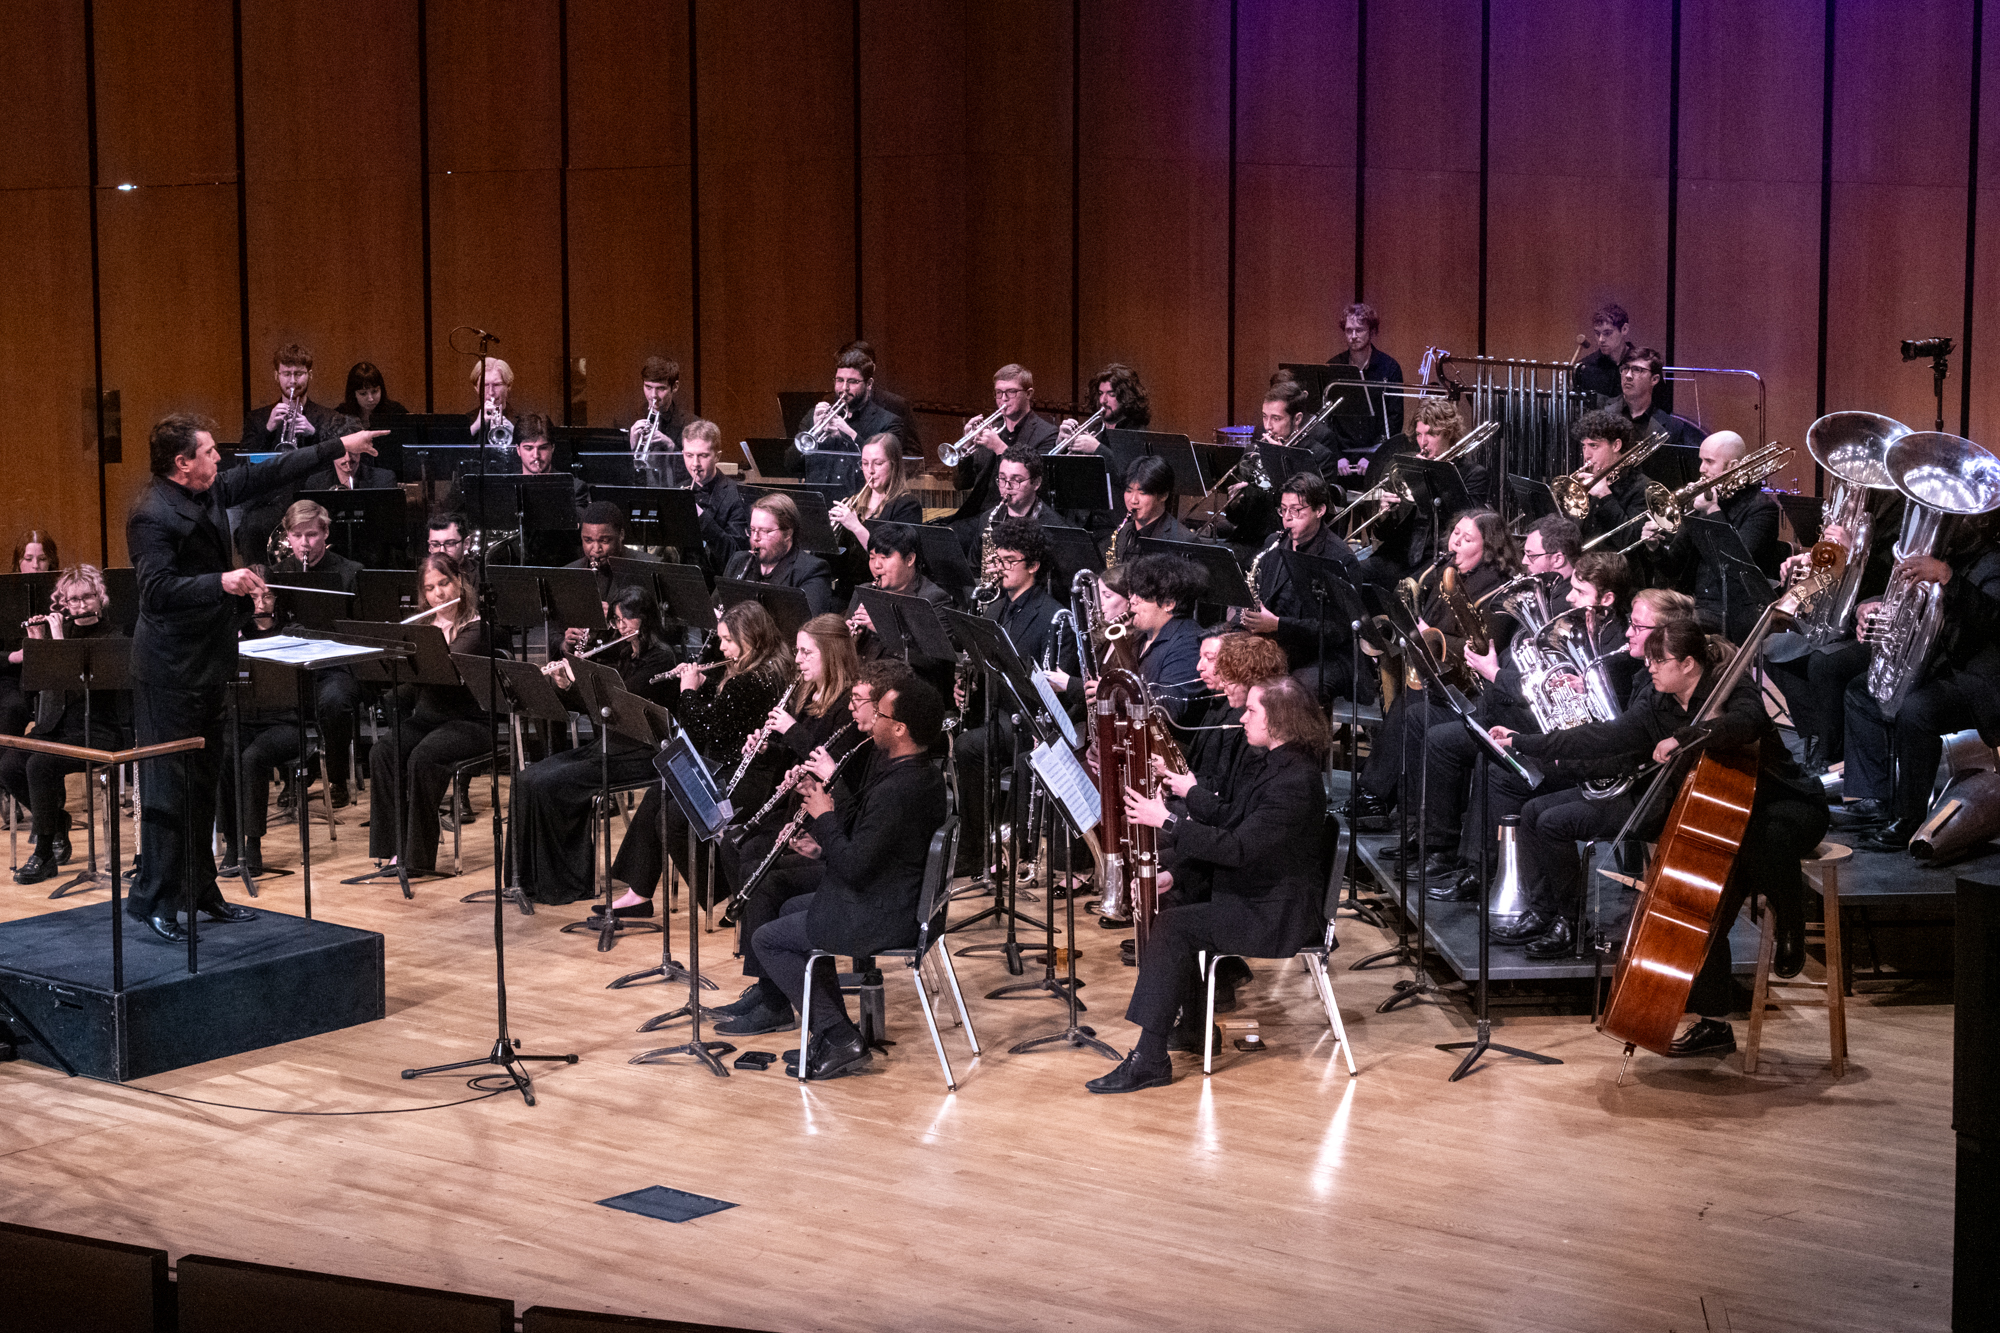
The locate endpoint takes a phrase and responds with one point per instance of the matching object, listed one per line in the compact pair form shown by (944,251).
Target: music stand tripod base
(515,895)
(1483,1043)
(505,1053)
(609,928)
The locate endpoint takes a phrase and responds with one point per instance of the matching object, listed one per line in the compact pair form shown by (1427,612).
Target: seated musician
(1405,539)
(1315,637)
(1150,501)
(448,533)
(1019,480)
(1282,416)
(1249,516)
(1160,592)
(602,535)
(264,431)
(441,727)
(534,456)
(884,497)
(718,503)
(1599,586)
(1641,402)
(1121,396)
(1482,553)
(774,556)
(1603,438)
(35,553)
(367,398)
(1556,815)
(894,404)
(1551,546)
(872,856)
(350,472)
(892,566)
(1020,426)
(1264,854)
(849,418)
(720,702)
(653,448)
(266,739)
(1028,614)
(36,781)
(1678,561)
(307,527)
(1892,764)
(1787,816)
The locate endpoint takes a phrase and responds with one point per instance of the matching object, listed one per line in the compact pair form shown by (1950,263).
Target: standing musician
(1121,397)
(1264,853)
(872,854)
(1020,426)
(442,727)
(852,416)
(1610,336)
(1959,688)
(183,649)
(1787,817)
(774,556)
(1360,323)
(1604,437)
(1642,403)
(1405,540)
(1678,562)
(894,404)
(833,721)
(550,799)
(1558,815)
(336,692)
(1482,554)
(660,381)
(1149,509)
(494,388)
(719,708)
(1286,610)
(718,503)
(34,779)
(1019,481)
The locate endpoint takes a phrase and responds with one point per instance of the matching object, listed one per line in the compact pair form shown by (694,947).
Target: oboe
(785,836)
(797,774)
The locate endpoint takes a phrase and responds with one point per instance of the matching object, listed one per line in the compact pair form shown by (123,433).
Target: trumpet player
(294,421)
(1678,561)
(850,417)
(1122,402)
(658,430)
(492,421)
(1019,426)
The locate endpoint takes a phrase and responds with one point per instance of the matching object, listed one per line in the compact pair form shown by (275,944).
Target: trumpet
(499,430)
(1572,489)
(951,455)
(1668,508)
(288,434)
(421,615)
(642,444)
(1070,430)
(815,436)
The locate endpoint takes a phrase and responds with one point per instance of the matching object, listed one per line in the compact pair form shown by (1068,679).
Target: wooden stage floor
(1278,1195)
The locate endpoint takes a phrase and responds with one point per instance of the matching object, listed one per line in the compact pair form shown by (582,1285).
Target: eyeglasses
(1293,511)
(1008,393)
(1010,561)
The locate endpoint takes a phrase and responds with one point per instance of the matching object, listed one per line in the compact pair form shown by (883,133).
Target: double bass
(1674,921)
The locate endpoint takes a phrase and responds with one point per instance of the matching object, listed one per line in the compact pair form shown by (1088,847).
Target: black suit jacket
(795,569)
(725,521)
(258,438)
(875,855)
(898,407)
(333,562)
(975,475)
(1264,846)
(366,478)
(179,543)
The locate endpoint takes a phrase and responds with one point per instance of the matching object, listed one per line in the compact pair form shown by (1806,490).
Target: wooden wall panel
(166,92)
(1019,63)
(630,222)
(1295,170)
(1421,270)
(1984,424)
(1155,202)
(1902,83)
(913,198)
(496,146)
(333,210)
(777,191)
(1749,215)
(45,349)
(1578,173)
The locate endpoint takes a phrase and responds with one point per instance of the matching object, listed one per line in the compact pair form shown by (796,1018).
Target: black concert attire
(386,412)
(1788,816)
(1958,688)
(972,535)
(660,464)
(604,572)
(1222,761)
(725,522)
(795,569)
(337,694)
(976,474)
(841,463)
(259,438)
(268,739)
(1170,665)
(1413,537)
(1384,408)
(35,781)
(1166,528)
(16,710)
(719,718)
(366,478)
(1597,374)
(868,644)
(183,654)
(443,726)
(850,561)
(550,800)
(898,407)
(872,858)
(253,529)
(1657,417)
(1682,565)
(1264,848)
(1395,763)
(1626,501)
(1298,611)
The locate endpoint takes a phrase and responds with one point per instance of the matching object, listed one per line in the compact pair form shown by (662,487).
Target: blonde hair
(898,483)
(88,577)
(506,373)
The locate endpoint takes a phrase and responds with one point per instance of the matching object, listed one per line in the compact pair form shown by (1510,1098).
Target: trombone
(1572,489)
(1668,508)
(1392,490)
(951,455)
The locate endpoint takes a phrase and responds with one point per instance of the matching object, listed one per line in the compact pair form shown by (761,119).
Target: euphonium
(951,455)
(1940,476)
(1572,490)
(1851,446)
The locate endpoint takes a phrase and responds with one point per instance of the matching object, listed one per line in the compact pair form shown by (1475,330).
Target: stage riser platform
(260,983)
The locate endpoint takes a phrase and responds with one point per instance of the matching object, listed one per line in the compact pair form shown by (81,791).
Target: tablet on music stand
(1217,563)
(692,786)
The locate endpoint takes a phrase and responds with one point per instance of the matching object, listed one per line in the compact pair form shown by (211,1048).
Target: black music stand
(908,626)
(557,597)
(537,504)
(1128,446)
(656,516)
(1078,807)
(1532,498)
(612,709)
(310,598)
(939,552)
(787,606)
(833,467)
(518,689)
(816,533)
(686,600)
(1722,546)
(609,468)
(21,596)
(766,457)
(268,688)
(1079,483)
(93,664)
(423,660)
(688,784)
(1218,563)
(369,523)
(385,596)
(1071,551)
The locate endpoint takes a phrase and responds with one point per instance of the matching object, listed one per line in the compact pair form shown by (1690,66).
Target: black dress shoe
(760,1020)
(167,929)
(639,910)
(337,795)
(1530,925)
(35,869)
(221,909)
(1709,1036)
(1889,837)
(831,1057)
(1367,813)
(59,849)
(1860,814)
(1814,760)
(1788,958)
(1555,942)
(752,998)
(1134,1074)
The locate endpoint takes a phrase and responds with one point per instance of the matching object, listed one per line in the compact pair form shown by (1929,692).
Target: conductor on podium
(184,648)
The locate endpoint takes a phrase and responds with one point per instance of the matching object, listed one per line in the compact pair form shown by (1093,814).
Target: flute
(623,638)
(441,606)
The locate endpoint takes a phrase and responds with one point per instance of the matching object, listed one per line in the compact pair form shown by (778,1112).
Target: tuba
(1851,446)
(1940,476)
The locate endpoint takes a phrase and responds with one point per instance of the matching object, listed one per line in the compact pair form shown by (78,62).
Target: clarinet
(792,779)
(758,740)
(785,836)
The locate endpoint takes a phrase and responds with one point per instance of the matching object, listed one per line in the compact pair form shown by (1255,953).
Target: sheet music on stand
(1053,702)
(1068,781)
(293,651)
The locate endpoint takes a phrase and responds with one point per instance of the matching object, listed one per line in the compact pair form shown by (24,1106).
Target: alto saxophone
(1256,563)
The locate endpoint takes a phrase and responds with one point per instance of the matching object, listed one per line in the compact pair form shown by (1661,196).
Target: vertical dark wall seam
(1485,148)
(1229,338)
(1075,199)
(562,197)
(1825,225)
(1971,222)
(1360,146)
(694,209)
(1674,182)
(856,71)
(96,275)
(424,195)
(242,206)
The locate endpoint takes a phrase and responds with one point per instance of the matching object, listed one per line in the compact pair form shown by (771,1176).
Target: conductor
(190,600)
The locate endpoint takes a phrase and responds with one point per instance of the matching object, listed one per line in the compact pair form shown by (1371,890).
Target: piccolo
(441,606)
(623,638)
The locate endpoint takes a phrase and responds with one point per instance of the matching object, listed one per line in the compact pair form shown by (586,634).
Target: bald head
(1720,452)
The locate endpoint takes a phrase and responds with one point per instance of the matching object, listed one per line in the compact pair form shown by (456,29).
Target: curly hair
(1249,659)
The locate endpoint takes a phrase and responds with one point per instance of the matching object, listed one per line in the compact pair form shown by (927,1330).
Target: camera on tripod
(1915,349)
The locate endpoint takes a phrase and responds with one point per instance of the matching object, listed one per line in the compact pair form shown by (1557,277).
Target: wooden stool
(1822,871)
